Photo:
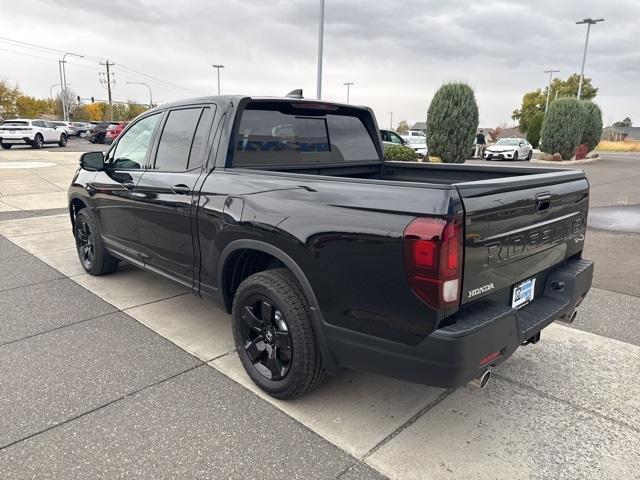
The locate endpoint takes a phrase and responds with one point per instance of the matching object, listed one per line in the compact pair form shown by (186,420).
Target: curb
(566,162)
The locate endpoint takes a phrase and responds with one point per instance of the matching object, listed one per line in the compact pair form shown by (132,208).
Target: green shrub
(562,127)
(452,122)
(533,132)
(592,131)
(399,153)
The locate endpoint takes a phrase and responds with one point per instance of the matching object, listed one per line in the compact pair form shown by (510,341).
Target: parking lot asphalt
(128,375)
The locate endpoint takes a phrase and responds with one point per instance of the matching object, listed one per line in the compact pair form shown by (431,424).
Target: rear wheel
(63,140)
(93,256)
(38,141)
(530,155)
(6,146)
(274,335)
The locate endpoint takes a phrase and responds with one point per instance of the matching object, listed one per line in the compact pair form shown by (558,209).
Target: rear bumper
(451,356)
(15,139)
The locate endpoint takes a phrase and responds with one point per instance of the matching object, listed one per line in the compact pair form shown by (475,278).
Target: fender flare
(316,314)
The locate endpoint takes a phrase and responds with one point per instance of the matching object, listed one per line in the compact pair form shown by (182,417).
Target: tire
(515,156)
(63,141)
(91,251)
(6,146)
(38,141)
(530,155)
(285,363)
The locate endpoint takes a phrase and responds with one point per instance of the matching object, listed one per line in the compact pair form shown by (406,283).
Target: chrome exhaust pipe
(569,319)
(482,381)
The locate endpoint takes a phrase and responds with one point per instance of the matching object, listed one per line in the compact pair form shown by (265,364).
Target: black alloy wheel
(530,154)
(38,141)
(515,156)
(85,243)
(266,338)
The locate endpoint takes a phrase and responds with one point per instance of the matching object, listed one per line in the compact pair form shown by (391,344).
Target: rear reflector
(433,260)
(489,358)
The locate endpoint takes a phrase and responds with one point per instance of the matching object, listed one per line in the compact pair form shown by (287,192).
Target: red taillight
(489,358)
(433,260)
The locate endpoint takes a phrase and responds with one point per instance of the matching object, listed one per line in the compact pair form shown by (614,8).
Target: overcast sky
(397,53)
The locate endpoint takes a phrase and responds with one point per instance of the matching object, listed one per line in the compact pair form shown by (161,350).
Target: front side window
(132,148)
(395,138)
(177,136)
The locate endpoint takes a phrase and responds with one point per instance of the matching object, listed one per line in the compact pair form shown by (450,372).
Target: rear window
(281,134)
(14,123)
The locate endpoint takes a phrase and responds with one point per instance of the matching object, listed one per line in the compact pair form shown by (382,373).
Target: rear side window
(183,138)
(285,136)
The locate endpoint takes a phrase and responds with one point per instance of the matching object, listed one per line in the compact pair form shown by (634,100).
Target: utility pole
(320,43)
(64,112)
(51,92)
(589,22)
(218,67)
(348,84)
(550,72)
(391,121)
(107,83)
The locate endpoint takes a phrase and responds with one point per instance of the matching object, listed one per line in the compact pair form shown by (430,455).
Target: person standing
(481,143)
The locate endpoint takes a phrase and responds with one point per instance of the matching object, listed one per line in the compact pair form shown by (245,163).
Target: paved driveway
(128,375)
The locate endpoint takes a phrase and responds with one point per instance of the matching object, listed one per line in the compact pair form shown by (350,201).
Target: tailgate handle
(543,202)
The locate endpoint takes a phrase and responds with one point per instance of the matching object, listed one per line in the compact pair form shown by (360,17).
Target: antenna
(297,93)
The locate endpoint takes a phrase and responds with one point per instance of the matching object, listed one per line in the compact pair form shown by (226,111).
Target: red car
(113,131)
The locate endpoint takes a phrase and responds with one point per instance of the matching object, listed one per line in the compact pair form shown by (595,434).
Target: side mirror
(92,161)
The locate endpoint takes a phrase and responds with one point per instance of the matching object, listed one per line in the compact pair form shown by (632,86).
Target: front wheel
(515,156)
(274,335)
(6,146)
(93,256)
(63,140)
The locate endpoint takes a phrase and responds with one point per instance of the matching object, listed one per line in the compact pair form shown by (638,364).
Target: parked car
(327,257)
(113,131)
(36,133)
(414,133)
(509,149)
(66,126)
(81,127)
(389,137)
(98,132)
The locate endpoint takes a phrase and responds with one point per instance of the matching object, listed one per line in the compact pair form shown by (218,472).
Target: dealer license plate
(523,293)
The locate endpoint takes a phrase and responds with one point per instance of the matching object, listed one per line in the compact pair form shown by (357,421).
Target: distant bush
(452,122)
(399,153)
(562,127)
(533,131)
(592,131)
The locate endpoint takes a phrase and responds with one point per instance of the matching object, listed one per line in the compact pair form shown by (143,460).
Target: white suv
(36,133)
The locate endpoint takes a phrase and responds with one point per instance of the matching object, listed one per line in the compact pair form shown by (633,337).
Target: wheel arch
(227,261)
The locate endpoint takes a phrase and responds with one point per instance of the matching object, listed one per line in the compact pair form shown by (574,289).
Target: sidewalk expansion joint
(100,407)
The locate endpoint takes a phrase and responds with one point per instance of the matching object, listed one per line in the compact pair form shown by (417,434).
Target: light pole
(51,95)
(320,43)
(63,80)
(146,85)
(218,67)
(550,72)
(391,121)
(589,22)
(348,84)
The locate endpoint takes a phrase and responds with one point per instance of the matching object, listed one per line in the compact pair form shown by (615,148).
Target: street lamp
(218,67)
(63,81)
(51,95)
(146,85)
(550,72)
(348,84)
(320,43)
(390,120)
(589,22)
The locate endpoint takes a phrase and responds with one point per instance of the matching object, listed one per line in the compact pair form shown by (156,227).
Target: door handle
(180,189)
(543,202)
(129,185)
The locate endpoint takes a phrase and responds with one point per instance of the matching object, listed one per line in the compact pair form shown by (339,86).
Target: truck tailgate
(516,228)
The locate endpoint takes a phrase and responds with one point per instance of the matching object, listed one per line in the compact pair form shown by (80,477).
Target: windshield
(512,142)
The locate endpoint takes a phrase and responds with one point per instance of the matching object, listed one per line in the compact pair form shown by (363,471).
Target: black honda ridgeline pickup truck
(327,256)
